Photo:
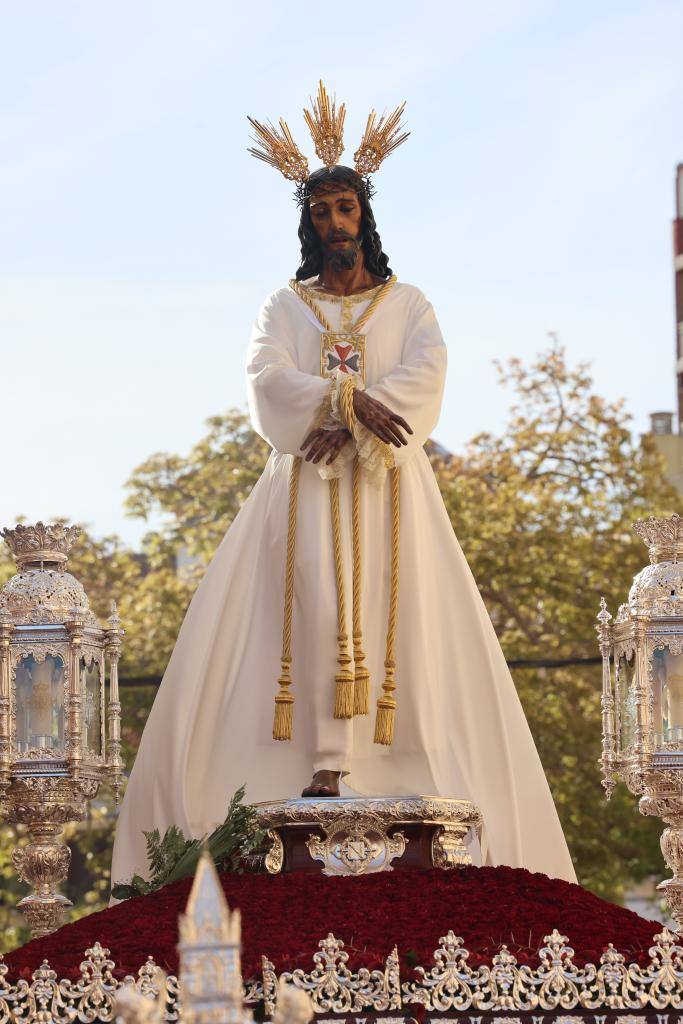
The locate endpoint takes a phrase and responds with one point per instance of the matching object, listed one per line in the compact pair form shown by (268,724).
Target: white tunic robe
(460,729)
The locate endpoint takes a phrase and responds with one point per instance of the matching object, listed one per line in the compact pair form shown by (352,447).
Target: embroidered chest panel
(342,353)
(343,350)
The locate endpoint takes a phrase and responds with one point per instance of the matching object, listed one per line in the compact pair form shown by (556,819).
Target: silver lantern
(59,737)
(642,693)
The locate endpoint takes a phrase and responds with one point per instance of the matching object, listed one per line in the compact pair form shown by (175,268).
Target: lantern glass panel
(626,687)
(40,704)
(90,675)
(667,697)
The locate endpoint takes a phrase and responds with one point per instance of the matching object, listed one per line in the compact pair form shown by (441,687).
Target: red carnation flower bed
(285,916)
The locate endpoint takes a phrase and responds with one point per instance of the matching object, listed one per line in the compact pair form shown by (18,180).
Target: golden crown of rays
(326,124)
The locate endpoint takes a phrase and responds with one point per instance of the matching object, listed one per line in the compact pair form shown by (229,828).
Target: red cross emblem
(342,353)
(344,358)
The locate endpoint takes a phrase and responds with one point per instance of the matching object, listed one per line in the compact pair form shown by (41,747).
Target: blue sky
(137,237)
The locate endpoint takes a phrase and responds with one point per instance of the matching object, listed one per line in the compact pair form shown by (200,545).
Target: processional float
(60,738)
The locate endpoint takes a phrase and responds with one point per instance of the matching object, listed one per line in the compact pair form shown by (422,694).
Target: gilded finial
(114,618)
(49,543)
(207,919)
(380,139)
(663,536)
(604,615)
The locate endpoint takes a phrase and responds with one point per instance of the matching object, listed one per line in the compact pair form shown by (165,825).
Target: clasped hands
(373,414)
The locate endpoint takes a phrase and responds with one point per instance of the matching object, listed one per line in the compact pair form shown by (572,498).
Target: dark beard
(344,259)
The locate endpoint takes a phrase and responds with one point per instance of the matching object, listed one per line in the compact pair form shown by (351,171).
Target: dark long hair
(376,260)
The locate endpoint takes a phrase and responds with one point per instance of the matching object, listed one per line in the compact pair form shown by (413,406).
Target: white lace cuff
(329,418)
(375,456)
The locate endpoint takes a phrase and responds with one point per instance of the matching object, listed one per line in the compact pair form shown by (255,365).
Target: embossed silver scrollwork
(449,985)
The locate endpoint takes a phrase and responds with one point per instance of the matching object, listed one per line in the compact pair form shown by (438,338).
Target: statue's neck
(347,282)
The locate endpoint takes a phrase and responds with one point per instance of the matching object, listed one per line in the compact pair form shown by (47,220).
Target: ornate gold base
(44,914)
(44,806)
(669,806)
(672,848)
(361,836)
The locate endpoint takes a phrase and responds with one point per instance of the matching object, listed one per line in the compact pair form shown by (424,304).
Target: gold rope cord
(343,693)
(361,691)
(386,705)
(379,297)
(312,304)
(306,297)
(284,701)
(348,413)
(351,691)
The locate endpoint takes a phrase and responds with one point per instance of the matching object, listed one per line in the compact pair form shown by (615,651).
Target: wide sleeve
(414,389)
(284,402)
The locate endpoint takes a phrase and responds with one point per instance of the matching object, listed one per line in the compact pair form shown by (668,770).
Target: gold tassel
(386,705)
(344,694)
(361,697)
(386,715)
(361,693)
(344,684)
(283,721)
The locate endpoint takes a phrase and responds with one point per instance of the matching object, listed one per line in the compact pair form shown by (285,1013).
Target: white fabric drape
(460,729)
(283,399)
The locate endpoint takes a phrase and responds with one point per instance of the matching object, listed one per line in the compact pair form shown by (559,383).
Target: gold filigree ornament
(379,141)
(326,125)
(356,844)
(325,122)
(278,149)
(450,986)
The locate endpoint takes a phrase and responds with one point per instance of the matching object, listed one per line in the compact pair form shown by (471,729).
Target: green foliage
(162,854)
(197,497)
(13,930)
(173,856)
(544,516)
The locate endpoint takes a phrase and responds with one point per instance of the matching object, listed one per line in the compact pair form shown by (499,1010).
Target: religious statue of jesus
(338,638)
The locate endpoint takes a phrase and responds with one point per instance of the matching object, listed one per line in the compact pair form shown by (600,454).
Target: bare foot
(325,783)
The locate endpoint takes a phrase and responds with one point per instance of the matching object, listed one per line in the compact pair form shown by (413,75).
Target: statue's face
(336,215)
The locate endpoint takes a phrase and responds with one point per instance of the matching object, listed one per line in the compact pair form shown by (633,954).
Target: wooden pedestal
(357,835)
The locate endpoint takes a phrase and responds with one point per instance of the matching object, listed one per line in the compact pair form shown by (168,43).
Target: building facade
(678,272)
(669,437)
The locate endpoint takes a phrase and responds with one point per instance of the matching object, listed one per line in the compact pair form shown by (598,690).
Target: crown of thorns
(325,122)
